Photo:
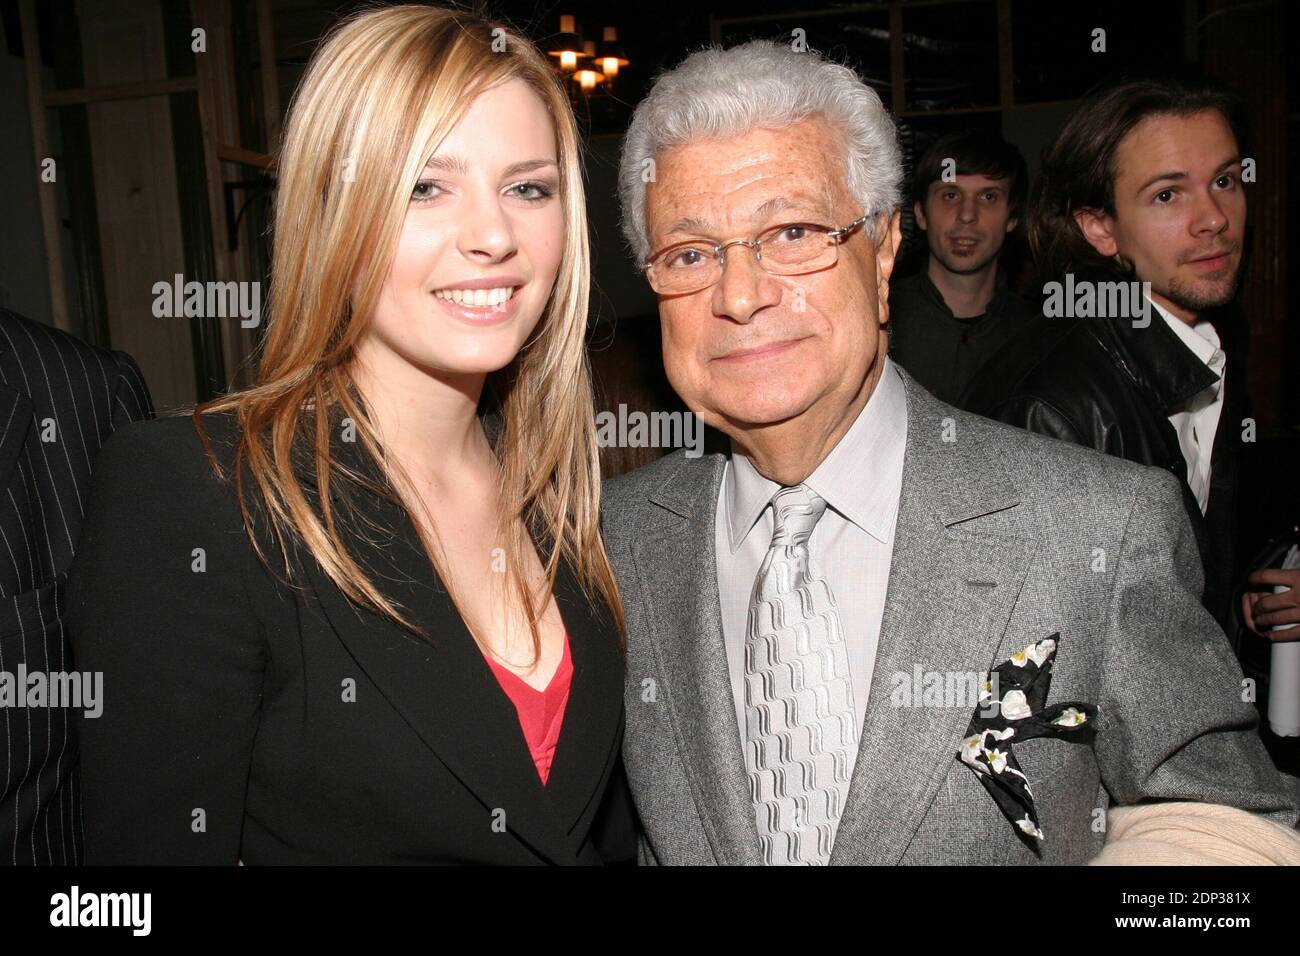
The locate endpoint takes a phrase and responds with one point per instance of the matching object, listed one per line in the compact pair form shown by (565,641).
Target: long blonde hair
(386,84)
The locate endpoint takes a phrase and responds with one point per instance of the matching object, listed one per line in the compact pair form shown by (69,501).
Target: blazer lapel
(677,572)
(950,595)
(15,423)
(593,718)
(446,692)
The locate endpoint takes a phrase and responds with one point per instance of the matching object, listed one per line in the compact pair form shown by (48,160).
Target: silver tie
(799,722)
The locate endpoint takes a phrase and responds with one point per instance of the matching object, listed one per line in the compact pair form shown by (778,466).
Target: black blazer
(244,720)
(59,400)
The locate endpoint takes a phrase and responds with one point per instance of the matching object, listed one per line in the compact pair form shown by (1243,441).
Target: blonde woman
(360,612)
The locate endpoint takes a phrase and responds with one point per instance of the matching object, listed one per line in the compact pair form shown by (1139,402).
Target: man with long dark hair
(1137,224)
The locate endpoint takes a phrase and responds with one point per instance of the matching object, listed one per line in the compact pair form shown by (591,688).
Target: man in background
(1139,219)
(948,319)
(60,399)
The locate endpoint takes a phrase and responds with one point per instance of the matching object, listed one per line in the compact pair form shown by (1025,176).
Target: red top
(541,712)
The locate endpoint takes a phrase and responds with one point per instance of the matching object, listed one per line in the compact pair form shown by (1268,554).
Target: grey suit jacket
(1003,538)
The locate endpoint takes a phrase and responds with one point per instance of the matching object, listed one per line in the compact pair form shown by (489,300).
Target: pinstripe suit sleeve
(131,400)
(170,627)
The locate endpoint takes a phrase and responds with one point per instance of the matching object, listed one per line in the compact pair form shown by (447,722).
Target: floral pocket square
(1014,707)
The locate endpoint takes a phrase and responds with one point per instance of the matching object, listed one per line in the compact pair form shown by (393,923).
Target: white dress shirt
(1198,419)
(851,546)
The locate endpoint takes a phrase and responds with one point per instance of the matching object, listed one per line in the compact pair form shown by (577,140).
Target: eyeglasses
(786,250)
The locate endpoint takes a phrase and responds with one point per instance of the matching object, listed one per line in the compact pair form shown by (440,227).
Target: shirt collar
(1001,294)
(860,478)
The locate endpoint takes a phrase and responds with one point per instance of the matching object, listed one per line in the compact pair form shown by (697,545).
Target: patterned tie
(799,723)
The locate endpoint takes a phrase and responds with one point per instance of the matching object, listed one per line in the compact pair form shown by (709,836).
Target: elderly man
(881,630)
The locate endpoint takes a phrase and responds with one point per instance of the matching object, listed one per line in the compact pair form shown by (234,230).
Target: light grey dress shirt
(852,545)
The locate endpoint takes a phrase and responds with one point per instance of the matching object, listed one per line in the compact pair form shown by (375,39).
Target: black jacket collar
(1158,361)
(1152,355)
(445,690)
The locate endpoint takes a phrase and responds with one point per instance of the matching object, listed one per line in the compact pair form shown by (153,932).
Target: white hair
(719,92)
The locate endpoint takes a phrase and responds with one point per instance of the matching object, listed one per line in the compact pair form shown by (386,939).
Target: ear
(1098,228)
(1011,224)
(918,210)
(889,236)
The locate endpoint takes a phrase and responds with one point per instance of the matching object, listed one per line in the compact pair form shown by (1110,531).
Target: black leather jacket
(1102,383)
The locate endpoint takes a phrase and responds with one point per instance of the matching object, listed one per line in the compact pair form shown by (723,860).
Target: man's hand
(1263,610)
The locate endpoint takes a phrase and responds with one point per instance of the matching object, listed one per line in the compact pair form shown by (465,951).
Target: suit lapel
(950,595)
(15,423)
(593,718)
(686,624)
(446,692)
(15,427)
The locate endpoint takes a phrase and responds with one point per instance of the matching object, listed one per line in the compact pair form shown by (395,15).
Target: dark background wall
(1011,65)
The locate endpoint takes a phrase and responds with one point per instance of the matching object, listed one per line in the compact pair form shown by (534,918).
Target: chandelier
(586,63)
